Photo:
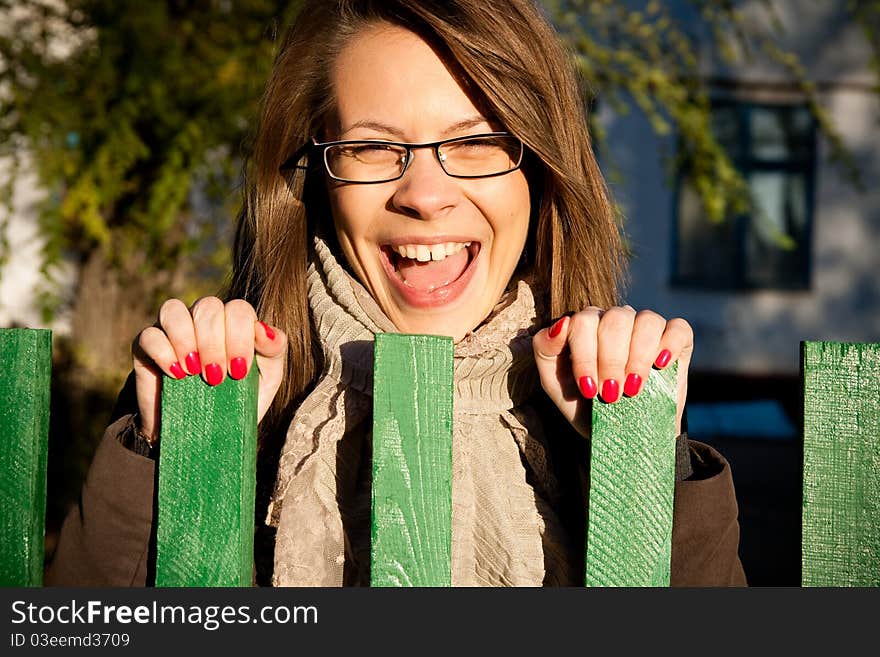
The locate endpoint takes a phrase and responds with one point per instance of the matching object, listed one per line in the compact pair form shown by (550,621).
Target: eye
(373,153)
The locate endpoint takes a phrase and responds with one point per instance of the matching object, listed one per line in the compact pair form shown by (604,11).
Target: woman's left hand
(608,354)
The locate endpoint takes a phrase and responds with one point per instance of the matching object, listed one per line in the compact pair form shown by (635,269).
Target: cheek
(349,207)
(511,220)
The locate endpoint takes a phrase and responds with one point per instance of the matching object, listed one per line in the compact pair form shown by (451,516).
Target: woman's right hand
(211,339)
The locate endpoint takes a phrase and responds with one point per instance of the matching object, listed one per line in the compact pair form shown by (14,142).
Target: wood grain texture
(841,495)
(412,461)
(632,482)
(26,359)
(207,477)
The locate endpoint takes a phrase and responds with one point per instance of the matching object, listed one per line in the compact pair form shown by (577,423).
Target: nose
(425,191)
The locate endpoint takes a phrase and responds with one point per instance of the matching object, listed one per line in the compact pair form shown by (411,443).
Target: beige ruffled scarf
(504,529)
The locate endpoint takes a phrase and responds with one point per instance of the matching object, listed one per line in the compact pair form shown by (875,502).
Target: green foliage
(648,52)
(124,109)
(867,13)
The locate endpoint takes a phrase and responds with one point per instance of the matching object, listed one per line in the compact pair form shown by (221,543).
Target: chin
(448,327)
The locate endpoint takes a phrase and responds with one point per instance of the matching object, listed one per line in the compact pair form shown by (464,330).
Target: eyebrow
(464,124)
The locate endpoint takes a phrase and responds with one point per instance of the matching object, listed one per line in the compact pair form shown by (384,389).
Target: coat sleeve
(705,529)
(105,538)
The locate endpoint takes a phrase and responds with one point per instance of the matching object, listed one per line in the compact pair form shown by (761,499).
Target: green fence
(207,471)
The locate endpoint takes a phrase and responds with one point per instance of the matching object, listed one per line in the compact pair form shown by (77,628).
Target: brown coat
(106,538)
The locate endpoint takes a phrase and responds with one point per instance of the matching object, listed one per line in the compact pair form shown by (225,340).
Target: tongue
(426,276)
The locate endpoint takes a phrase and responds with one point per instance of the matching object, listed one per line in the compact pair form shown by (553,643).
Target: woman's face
(390,85)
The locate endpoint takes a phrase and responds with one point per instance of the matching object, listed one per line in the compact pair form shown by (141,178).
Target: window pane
(706,253)
(725,128)
(780,133)
(775,244)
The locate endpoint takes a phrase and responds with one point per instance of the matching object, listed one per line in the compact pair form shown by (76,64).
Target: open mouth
(427,274)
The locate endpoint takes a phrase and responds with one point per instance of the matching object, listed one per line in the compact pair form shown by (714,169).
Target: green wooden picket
(412,461)
(841,480)
(632,482)
(26,358)
(207,477)
(207,471)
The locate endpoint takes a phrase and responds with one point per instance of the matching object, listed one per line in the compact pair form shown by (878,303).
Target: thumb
(557,377)
(270,344)
(548,345)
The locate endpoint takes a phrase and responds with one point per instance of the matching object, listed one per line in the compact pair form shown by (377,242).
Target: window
(773,148)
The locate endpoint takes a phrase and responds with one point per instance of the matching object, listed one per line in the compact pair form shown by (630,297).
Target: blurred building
(805,267)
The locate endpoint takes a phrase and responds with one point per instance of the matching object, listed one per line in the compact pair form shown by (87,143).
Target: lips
(430,283)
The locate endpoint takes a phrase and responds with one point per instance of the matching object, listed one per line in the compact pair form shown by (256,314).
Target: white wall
(758,332)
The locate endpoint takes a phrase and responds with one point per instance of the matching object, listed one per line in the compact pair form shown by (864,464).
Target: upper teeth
(425,252)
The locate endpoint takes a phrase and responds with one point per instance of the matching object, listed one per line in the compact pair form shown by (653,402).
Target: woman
(421,167)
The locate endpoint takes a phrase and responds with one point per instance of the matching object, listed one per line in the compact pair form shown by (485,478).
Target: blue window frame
(773,147)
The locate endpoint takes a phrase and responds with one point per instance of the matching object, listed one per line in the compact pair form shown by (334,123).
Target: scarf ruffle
(504,529)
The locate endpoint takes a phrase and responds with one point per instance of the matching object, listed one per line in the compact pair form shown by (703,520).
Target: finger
(644,344)
(270,342)
(554,369)
(152,349)
(152,355)
(676,343)
(583,346)
(240,317)
(271,347)
(615,329)
(176,321)
(210,327)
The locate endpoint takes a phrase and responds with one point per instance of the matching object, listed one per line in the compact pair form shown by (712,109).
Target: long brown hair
(512,60)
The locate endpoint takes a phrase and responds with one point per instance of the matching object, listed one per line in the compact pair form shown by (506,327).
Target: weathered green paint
(632,482)
(412,461)
(841,500)
(25,371)
(207,475)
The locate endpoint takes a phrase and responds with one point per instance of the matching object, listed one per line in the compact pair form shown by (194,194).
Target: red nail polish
(177,371)
(556,328)
(588,387)
(610,391)
(238,368)
(213,374)
(193,362)
(663,358)
(269,332)
(632,385)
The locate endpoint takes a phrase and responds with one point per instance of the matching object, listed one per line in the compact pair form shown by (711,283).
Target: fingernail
(610,391)
(213,373)
(663,358)
(588,387)
(177,371)
(632,385)
(556,328)
(269,332)
(193,362)
(237,368)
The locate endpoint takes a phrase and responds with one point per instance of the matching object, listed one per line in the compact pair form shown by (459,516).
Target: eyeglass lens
(377,161)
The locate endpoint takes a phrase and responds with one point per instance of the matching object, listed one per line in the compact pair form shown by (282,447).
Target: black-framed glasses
(376,161)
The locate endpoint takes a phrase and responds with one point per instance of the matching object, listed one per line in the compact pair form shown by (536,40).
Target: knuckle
(640,363)
(147,338)
(168,309)
(612,364)
(586,319)
(583,364)
(615,320)
(207,307)
(681,326)
(650,316)
(651,321)
(240,307)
